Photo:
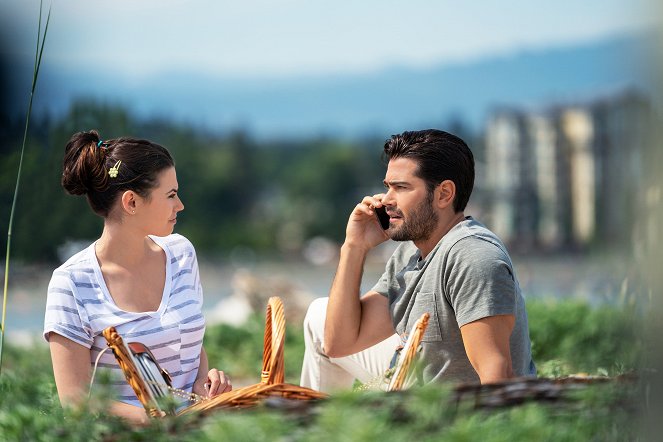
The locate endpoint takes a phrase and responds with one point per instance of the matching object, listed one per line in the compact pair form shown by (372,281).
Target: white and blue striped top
(79,307)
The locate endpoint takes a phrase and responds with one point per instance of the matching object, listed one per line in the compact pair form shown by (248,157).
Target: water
(596,280)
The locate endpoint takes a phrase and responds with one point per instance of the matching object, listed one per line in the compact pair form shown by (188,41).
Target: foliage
(29,408)
(600,413)
(571,337)
(238,350)
(267,195)
(41,40)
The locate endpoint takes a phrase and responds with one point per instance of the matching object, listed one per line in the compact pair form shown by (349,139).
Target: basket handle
(408,353)
(131,373)
(272,357)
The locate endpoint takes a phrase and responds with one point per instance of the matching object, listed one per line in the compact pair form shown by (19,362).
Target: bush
(567,336)
(571,336)
(238,350)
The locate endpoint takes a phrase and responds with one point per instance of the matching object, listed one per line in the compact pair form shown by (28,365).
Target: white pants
(326,374)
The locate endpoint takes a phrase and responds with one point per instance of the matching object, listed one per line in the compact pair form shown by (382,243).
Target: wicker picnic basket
(272,378)
(150,387)
(409,351)
(146,391)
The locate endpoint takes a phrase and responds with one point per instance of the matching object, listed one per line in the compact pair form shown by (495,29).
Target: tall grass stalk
(41,39)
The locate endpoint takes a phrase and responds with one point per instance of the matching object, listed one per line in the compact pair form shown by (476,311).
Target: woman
(138,276)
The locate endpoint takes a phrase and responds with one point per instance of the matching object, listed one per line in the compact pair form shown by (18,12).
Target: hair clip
(100,143)
(114,170)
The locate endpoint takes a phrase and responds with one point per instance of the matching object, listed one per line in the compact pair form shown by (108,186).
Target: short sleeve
(479,281)
(196,275)
(65,315)
(382,285)
(186,273)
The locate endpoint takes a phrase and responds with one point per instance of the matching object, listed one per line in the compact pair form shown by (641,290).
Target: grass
(568,336)
(41,40)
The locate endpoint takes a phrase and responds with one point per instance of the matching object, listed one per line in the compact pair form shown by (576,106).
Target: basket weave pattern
(126,363)
(272,377)
(408,353)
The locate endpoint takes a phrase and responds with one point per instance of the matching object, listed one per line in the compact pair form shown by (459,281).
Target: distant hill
(383,102)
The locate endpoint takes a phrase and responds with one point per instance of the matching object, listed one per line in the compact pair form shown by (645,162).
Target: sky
(270,38)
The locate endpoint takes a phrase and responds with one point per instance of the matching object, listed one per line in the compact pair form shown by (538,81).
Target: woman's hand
(216,382)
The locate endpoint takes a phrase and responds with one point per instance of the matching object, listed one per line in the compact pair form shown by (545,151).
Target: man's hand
(363,230)
(487,346)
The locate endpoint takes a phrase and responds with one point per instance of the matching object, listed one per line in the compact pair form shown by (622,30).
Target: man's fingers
(379,197)
(372,201)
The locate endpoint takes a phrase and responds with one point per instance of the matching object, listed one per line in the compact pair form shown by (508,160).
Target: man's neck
(443,227)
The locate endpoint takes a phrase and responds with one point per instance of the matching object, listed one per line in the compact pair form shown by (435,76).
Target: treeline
(265,196)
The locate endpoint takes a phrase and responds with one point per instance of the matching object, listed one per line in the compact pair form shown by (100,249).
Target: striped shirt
(79,307)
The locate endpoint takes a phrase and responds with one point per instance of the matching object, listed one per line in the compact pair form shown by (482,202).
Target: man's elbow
(332,350)
(329,351)
(333,347)
(497,371)
(493,378)
(329,348)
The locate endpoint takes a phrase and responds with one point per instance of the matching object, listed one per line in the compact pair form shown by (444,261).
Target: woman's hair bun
(101,170)
(83,165)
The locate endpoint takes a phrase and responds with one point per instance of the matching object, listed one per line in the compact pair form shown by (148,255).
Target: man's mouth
(394,216)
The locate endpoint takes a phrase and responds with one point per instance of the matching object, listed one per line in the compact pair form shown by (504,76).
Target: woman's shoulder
(79,260)
(78,267)
(175,243)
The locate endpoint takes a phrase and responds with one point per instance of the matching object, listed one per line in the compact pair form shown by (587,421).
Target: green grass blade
(38,54)
(41,52)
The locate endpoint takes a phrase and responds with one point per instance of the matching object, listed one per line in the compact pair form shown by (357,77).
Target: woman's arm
(210,382)
(71,368)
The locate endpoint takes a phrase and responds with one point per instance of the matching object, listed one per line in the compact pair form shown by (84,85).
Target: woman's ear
(445,192)
(129,202)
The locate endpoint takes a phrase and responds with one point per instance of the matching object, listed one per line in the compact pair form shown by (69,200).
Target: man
(448,265)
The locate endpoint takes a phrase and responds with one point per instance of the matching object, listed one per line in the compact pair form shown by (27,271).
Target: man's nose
(389,199)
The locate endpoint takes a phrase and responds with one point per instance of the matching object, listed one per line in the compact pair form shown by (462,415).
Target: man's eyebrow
(395,182)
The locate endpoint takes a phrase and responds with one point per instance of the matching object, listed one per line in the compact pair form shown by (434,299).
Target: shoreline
(597,279)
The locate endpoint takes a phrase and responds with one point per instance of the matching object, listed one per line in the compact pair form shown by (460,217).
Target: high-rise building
(567,175)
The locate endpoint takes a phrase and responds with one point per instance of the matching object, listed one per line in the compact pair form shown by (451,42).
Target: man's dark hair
(440,156)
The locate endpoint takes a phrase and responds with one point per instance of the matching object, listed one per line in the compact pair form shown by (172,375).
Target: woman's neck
(121,245)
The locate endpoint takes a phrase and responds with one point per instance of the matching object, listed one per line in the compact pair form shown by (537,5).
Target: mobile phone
(381,213)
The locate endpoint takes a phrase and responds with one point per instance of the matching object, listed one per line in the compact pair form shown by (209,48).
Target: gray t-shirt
(467,276)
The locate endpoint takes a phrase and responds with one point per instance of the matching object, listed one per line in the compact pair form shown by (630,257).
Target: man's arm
(353,323)
(487,346)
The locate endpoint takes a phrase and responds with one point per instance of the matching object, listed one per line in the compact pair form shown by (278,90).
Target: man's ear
(445,192)
(129,202)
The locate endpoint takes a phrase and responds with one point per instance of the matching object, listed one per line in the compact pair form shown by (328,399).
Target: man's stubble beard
(420,223)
